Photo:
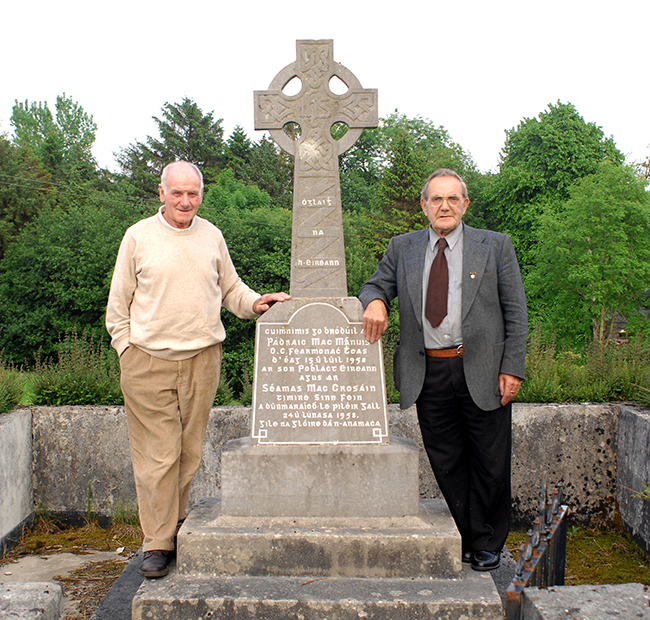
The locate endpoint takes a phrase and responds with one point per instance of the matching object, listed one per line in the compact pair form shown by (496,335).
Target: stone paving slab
(182,597)
(629,601)
(31,601)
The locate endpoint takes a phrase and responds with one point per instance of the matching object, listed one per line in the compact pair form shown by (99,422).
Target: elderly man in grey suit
(460,356)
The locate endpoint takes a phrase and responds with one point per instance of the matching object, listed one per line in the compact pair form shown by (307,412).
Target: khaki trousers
(168,406)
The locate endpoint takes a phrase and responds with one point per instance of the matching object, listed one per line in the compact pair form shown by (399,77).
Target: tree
(643,168)
(387,166)
(403,174)
(540,161)
(185,133)
(55,277)
(271,169)
(24,190)
(360,171)
(592,261)
(238,151)
(62,143)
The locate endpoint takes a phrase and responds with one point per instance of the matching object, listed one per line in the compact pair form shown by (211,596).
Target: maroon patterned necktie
(436,306)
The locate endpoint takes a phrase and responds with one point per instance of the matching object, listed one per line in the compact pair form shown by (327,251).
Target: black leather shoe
(154,564)
(468,556)
(486,560)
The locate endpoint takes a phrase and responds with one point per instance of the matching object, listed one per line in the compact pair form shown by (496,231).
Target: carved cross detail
(317,249)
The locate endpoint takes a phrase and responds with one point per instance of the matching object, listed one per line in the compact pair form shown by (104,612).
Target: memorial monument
(317,379)
(319,515)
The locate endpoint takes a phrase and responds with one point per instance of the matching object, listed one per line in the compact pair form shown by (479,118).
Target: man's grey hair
(165,172)
(442,172)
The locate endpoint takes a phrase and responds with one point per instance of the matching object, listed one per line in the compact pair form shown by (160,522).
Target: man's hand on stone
(375,320)
(508,387)
(266,301)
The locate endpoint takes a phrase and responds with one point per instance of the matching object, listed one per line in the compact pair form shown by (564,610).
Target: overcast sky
(475,67)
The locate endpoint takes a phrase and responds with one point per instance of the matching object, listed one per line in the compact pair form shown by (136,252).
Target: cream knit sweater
(168,288)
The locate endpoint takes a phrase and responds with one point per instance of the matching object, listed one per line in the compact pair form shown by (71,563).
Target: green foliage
(125,514)
(63,142)
(360,170)
(225,394)
(262,164)
(620,372)
(238,151)
(380,228)
(86,374)
(592,260)
(228,194)
(11,386)
(387,166)
(359,260)
(184,133)
(55,277)
(539,163)
(433,144)
(403,176)
(24,190)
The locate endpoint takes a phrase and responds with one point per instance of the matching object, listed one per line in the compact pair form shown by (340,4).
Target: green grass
(616,372)
(48,536)
(597,557)
(28,396)
(86,373)
(11,387)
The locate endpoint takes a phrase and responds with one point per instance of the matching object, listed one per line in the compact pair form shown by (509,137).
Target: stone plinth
(426,545)
(320,480)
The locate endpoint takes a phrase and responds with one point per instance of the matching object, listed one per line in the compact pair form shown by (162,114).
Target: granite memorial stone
(317,379)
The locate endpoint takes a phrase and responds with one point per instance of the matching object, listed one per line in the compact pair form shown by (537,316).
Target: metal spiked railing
(542,558)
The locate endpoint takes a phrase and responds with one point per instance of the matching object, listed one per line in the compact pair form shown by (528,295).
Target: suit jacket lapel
(414,266)
(475,255)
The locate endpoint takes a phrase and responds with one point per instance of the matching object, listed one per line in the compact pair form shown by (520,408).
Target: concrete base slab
(422,546)
(186,597)
(31,601)
(625,601)
(46,567)
(320,480)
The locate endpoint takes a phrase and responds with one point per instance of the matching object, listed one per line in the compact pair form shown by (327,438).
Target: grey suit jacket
(494,318)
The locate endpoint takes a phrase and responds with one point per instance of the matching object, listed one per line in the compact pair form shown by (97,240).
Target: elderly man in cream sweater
(172,275)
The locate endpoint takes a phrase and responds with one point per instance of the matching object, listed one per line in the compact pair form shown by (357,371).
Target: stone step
(416,546)
(187,597)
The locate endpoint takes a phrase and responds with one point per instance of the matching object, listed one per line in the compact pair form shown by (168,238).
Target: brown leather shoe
(154,564)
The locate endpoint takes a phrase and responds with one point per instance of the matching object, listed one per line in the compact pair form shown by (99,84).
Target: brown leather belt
(457,352)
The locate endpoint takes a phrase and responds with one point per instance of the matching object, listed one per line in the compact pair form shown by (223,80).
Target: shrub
(85,374)
(599,374)
(11,387)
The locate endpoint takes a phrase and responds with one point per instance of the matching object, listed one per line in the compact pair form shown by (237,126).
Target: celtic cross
(317,248)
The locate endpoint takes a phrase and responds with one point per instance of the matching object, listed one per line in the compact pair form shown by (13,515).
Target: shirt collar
(161,217)
(452,238)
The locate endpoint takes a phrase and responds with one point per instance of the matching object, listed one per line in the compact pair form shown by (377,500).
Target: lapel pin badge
(472,275)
